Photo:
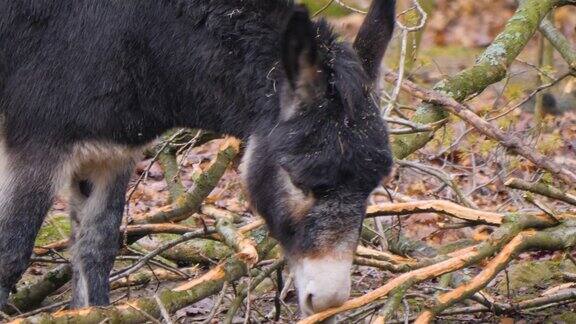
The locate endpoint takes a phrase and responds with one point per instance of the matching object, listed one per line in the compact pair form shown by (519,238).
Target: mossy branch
(395,300)
(133,231)
(167,160)
(237,302)
(135,311)
(30,297)
(513,144)
(490,68)
(145,277)
(542,189)
(190,202)
(141,309)
(244,247)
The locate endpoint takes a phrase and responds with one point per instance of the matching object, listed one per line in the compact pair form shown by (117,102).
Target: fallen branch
(188,137)
(198,251)
(553,300)
(418,275)
(243,246)
(145,277)
(237,302)
(167,159)
(206,250)
(55,246)
(435,206)
(383,256)
(165,315)
(382,265)
(442,176)
(30,297)
(558,238)
(395,300)
(481,280)
(142,262)
(132,231)
(511,226)
(142,309)
(147,229)
(133,312)
(541,189)
(218,213)
(27,298)
(190,202)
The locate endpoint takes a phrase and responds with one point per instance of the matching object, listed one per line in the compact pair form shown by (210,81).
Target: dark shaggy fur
(123,72)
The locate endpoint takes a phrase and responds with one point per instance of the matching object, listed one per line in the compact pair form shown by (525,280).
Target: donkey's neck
(220,61)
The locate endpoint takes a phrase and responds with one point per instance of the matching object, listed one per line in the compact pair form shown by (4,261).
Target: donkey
(85,85)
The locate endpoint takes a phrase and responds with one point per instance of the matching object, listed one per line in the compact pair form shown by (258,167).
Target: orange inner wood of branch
(247,251)
(424,318)
(216,273)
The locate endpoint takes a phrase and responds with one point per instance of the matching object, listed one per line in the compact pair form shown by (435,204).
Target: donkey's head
(310,175)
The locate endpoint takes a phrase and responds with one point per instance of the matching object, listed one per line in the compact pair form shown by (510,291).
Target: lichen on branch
(491,67)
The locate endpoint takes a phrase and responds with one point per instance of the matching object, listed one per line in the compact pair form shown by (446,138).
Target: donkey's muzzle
(322,282)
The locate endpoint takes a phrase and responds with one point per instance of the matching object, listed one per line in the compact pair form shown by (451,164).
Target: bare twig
(157,251)
(442,176)
(511,143)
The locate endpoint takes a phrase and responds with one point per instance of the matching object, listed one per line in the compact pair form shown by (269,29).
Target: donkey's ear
(375,34)
(300,53)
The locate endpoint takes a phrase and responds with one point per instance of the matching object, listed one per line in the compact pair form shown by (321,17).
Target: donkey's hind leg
(98,203)
(27,188)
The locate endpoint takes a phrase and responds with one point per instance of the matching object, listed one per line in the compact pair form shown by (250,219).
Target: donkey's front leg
(98,202)
(27,185)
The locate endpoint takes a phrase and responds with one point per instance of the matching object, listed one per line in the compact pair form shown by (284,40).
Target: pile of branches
(248,251)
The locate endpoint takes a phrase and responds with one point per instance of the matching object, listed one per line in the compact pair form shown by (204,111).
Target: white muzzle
(321,282)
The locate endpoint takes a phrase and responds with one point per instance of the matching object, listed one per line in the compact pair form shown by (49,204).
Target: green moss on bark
(491,67)
(56,228)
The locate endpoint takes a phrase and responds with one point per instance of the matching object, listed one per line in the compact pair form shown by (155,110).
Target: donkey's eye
(297,198)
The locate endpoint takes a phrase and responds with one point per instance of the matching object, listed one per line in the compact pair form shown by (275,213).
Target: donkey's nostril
(310,302)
